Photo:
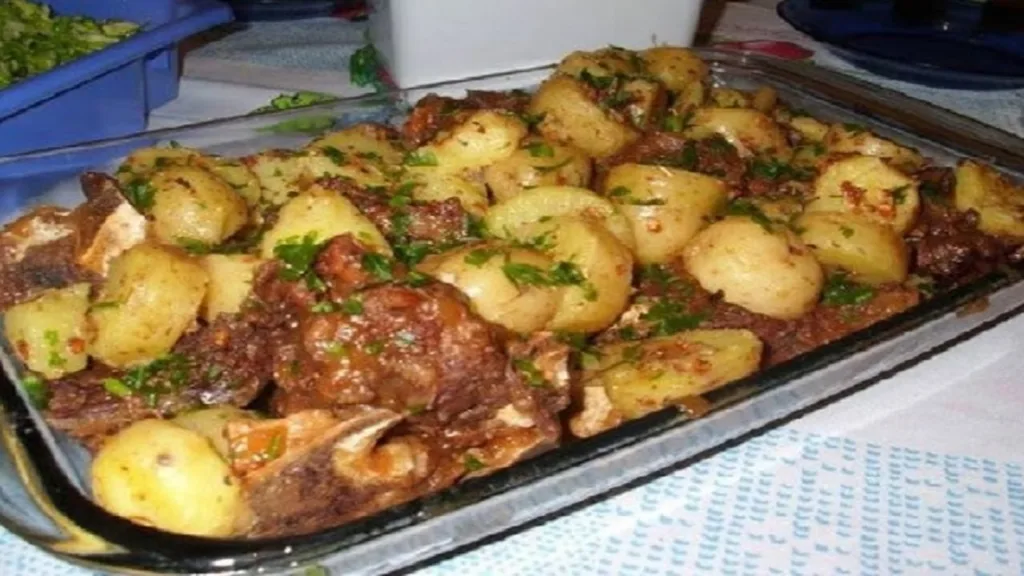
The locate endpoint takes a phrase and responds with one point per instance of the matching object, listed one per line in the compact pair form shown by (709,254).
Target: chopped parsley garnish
(774,170)
(688,158)
(553,167)
(741,207)
(325,307)
(336,349)
(472,464)
(371,156)
(116,387)
(899,194)
(625,196)
(542,242)
(561,274)
(413,253)
(846,231)
(599,82)
(352,306)
(364,68)
(274,449)
(480,256)
(532,120)
(525,274)
(416,279)
(193,246)
(420,158)
(335,155)
(139,193)
(540,150)
(677,123)
(36,389)
(669,317)
(375,348)
(661,277)
(533,376)
(578,341)
(162,375)
(298,255)
(378,265)
(854,128)
(840,291)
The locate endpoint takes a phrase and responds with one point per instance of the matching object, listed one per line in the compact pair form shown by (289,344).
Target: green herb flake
(336,349)
(472,464)
(417,279)
(335,155)
(677,123)
(36,389)
(52,337)
(840,291)
(352,306)
(688,158)
(532,120)
(773,170)
(298,255)
(533,376)
(193,246)
(669,317)
(375,348)
(899,194)
(275,449)
(525,274)
(140,193)
(599,82)
(742,207)
(553,167)
(480,256)
(116,387)
(364,68)
(379,266)
(325,307)
(540,150)
(420,158)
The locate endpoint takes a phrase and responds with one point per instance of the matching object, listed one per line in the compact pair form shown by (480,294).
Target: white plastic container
(428,41)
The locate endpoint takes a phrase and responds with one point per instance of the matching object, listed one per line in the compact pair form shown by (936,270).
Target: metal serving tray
(43,494)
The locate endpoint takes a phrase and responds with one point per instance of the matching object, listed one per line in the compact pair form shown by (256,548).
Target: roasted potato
(720,97)
(665,206)
(150,297)
(162,475)
(231,278)
(434,184)
(998,202)
(752,132)
(810,129)
(485,274)
(538,163)
(640,378)
(764,99)
(482,139)
(211,424)
(141,163)
(871,252)
(48,333)
(646,102)
(677,68)
(545,203)
(369,142)
(323,214)
(570,116)
(765,269)
(597,269)
(854,139)
(607,62)
(283,174)
(689,100)
(869,187)
(191,205)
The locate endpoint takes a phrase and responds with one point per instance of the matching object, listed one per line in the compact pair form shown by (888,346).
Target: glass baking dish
(43,494)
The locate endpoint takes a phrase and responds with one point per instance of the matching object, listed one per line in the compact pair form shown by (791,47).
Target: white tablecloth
(919,474)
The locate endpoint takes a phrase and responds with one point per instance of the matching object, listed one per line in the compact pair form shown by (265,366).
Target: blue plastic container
(107,93)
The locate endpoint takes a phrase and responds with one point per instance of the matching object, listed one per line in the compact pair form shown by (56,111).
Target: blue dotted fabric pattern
(787,502)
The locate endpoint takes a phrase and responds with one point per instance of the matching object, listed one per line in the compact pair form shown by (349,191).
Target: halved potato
(193,206)
(48,333)
(871,252)
(643,377)
(436,184)
(548,202)
(721,97)
(324,214)
(570,115)
(766,270)
(538,163)
(854,139)
(810,129)
(998,202)
(211,423)
(142,162)
(867,186)
(368,142)
(479,272)
(665,206)
(604,264)
(283,174)
(752,132)
(606,62)
(231,278)
(484,138)
(677,68)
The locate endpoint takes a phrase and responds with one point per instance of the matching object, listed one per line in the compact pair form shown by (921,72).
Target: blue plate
(252,10)
(952,49)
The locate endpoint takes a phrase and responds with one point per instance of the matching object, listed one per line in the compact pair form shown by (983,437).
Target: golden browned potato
(752,132)
(998,202)
(871,252)
(764,269)
(321,214)
(231,278)
(487,136)
(211,423)
(283,174)
(677,68)
(607,62)
(665,206)
(810,129)
(780,209)
(159,474)
(193,206)
(141,163)
(368,142)
(854,139)
(486,274)
(538,163)
(435,184)
(721,97)
(640,378)
(572,117)
(867,186)
(545,203)
(764,99)
(150,297)
(646,100)
(593,265)
(48,333)
(689,99)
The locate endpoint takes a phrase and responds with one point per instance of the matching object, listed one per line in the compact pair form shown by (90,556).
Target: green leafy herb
(420,158)
(336,156)
(301,125)
(662,278)
(36,389)
(532,120)
(297,255)
(854,128)
(274,449)
(553,167)
(534,377)
(523,274)
(599,82)
(899,194)
(160,376)
(116,387)
(742,207)
(617,99)
(352,306)
(846,231)
(774,170)
(336,349)
(472,464)
(578,341)
(417,279)
(480,256)
(476,227)
(375,348)
(540,150)
(840,291)
(625,196)
(364,68)
(325,307)
(378,265)
(413,253)
(670,317)
(688,158)
(193,246)
(677,123)
(139,193)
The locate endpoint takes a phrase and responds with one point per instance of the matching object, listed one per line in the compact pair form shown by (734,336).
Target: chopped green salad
(33,39)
